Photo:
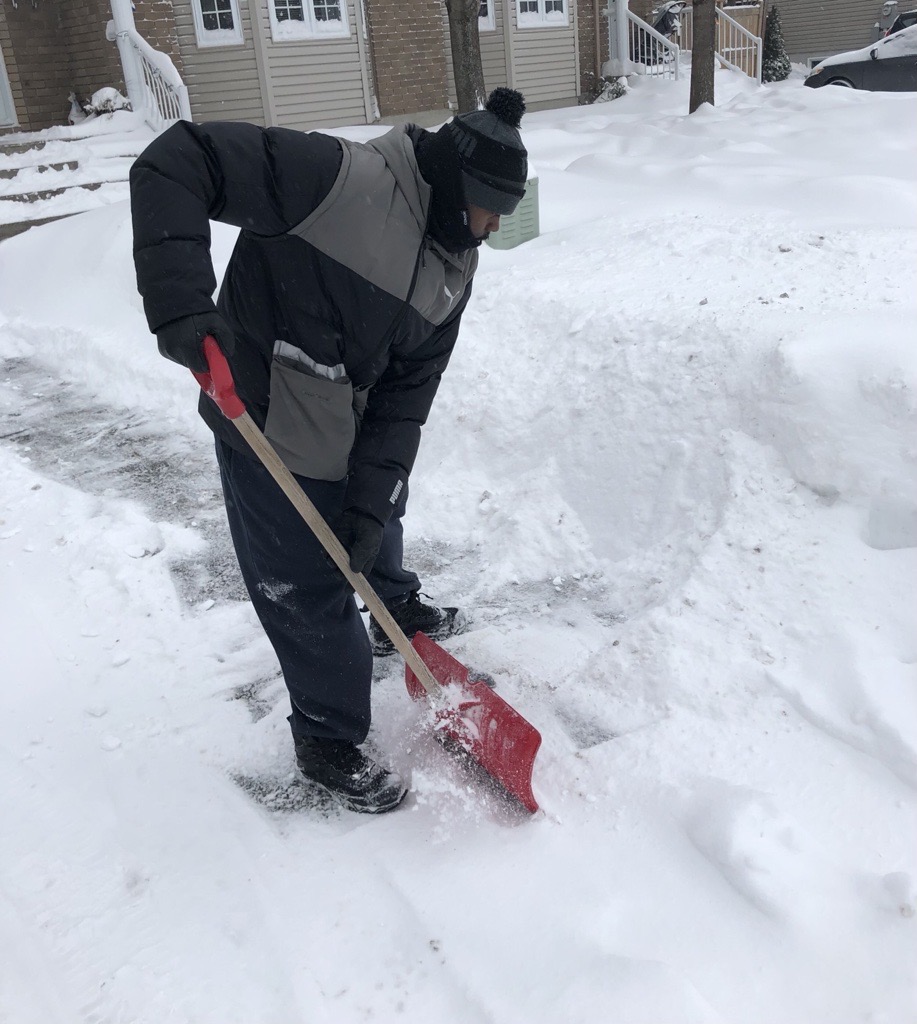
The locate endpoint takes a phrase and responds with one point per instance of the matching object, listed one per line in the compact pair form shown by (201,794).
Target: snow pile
(115,123)
(97,152)
(671,472)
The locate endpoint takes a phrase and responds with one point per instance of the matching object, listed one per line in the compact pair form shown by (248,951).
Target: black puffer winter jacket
(345,308)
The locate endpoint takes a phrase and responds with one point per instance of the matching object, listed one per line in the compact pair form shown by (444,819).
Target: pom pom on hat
(508,105)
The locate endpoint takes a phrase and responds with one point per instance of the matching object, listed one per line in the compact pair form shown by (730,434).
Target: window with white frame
(542,13)
(486,20)
(308,19)
(217,22)
(289,10)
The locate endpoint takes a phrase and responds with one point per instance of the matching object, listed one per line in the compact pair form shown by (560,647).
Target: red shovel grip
(218,383)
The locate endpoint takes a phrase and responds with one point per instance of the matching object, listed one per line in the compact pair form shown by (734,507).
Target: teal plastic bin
(521,225)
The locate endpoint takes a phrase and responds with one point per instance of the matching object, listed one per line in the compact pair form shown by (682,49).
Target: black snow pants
(304,603)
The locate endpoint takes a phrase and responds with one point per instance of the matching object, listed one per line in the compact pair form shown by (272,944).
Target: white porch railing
(164,95)
(650,51)
(634,46)
(736,47)
(153,83)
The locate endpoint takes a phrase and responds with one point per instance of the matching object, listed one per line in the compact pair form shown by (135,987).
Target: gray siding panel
(545,63)
(316,83)
(817,28)
(222,80)
(493,49)
(544,58)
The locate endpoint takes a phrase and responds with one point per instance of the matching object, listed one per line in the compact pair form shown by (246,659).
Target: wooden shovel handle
(219,385)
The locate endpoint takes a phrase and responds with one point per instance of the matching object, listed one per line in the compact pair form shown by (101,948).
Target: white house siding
(316,83)
(544,64)
(493,53)
(493,49)
(222,81)
(818,28)
(543,59)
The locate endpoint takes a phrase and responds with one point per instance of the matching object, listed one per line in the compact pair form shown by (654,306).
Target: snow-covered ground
(671,472)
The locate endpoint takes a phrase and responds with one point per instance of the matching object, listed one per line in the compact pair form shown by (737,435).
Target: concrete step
(9,230)
(8,173)
(23,210)
(90,169)
(21,147)
(46,179)
(62,151)
(50,193)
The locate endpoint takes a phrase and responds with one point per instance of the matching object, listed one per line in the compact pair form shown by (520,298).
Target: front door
(7,110)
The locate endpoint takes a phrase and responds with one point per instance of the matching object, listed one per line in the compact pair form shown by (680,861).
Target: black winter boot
(353,779)
(413,616)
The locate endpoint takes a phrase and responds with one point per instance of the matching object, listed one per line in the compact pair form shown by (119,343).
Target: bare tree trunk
(466,54)
(703,53)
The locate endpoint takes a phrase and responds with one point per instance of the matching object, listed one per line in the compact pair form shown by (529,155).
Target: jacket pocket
(310,420)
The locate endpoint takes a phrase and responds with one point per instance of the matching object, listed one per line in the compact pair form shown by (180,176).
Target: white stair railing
(650,52)
(164,94)
(153,83)
(736,47)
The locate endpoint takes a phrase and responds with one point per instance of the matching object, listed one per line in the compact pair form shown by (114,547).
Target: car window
(901,44)
(903,20)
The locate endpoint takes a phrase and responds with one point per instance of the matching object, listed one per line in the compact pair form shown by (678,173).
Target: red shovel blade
(496,736)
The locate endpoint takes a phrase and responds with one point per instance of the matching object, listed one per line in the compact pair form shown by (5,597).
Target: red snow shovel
(466,710)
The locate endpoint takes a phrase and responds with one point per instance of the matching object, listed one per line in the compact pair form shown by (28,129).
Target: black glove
(182,339)
(361,535)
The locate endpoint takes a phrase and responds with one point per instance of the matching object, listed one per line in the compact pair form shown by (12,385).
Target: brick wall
(53,47)
(409,61)
(92,61)
(644,9)
(155,21)
(12,70)
(43,76)
(585,15)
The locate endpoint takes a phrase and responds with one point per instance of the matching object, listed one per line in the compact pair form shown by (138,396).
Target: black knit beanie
(478,159)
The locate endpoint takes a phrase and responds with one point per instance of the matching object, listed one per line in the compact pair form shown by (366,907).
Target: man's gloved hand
(182,339)
(361,535)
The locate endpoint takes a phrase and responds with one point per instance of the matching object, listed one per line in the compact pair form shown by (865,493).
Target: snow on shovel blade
(496,736)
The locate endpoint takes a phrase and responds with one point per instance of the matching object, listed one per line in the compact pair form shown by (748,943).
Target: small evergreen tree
(775,62)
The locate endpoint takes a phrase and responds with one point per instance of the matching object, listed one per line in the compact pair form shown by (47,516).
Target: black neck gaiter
(441,168)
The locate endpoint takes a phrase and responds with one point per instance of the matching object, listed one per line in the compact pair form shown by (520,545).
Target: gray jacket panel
(373,222)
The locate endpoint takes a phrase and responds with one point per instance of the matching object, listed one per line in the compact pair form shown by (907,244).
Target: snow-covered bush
(106,101)
(775,62)
(607,89)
